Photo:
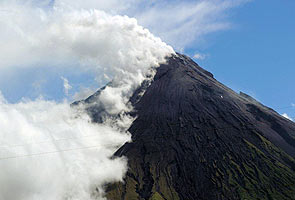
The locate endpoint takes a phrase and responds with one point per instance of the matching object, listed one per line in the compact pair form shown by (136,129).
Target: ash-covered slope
(196,139)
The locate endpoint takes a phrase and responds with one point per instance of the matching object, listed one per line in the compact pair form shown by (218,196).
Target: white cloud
(67,86)
(200,56)
(286,116)
(293,104)
(46,128)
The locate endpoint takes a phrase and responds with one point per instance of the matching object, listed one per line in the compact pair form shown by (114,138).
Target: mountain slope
(196,139)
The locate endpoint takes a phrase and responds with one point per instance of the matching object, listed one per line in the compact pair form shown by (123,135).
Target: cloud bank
(49,150)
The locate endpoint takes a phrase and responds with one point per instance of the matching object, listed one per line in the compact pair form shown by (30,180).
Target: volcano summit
(196,139)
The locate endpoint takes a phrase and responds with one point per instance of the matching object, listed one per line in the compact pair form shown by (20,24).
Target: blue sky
(248,46)
(256,55)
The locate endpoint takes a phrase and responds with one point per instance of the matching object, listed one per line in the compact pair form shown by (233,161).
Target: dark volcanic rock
(196,139)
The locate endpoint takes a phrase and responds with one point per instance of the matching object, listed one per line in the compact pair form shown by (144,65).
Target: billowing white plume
(49,150)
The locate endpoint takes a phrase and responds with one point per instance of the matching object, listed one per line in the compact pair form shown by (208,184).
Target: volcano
(196,139)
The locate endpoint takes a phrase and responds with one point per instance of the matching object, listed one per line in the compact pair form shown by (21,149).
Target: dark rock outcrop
(196,139)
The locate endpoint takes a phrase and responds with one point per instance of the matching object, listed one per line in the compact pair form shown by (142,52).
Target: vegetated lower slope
(196,139)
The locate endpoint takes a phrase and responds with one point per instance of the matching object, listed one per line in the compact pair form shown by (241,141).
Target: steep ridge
(196,139)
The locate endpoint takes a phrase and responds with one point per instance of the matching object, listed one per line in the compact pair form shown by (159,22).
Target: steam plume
(48,149)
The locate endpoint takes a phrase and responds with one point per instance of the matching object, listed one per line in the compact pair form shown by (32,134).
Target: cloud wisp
(182,24)
(200,56)
(67,86)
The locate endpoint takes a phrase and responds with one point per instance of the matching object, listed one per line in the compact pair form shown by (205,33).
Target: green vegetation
(156,196)
(262,173)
